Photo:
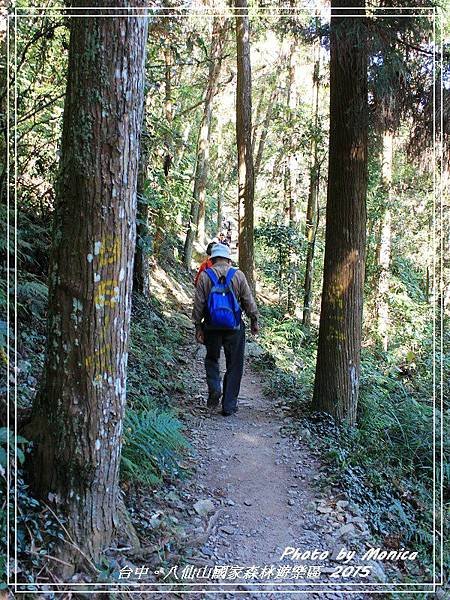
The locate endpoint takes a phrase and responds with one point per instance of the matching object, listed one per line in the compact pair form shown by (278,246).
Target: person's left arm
(247,301)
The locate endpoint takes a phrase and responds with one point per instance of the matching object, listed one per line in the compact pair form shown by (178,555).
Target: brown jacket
(240,287)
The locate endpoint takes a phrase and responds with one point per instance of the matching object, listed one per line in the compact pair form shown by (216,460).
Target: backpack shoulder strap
(230,275)
(212,276)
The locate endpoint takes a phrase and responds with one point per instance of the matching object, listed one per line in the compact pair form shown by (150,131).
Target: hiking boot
(213,399)
(227,413)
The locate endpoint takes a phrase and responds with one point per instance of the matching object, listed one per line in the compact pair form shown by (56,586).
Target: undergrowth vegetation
(152,443)
(153,440)
(386,464)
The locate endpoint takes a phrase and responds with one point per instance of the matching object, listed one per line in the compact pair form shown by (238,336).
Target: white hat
(221,251)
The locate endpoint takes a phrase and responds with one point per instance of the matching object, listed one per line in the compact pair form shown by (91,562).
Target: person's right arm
(198,310)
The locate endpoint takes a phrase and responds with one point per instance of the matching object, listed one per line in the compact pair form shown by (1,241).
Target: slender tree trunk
(168,110)
(339,349)
(220,170)
(291,173)
(217,45)
(185,138)
(220,209)
(311,230)
(168,62)
(244,144)
(384,255)
(179,161)
(285,187)
(141,270)
(264,132)
(429,265)
(313,199)
(259,111)
(78,413)
(167,156)
(292,161)
(196,226)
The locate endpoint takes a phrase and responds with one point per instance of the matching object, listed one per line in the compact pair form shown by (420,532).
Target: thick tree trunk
(244,144)
(78,413)
(196,227)
(384,254)
(339,350)
(313,199)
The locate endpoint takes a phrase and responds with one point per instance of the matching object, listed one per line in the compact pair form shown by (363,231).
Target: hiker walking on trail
(206,263)
(222,293)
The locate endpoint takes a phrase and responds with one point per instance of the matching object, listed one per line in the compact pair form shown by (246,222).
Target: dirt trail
(246,457)
(261,484)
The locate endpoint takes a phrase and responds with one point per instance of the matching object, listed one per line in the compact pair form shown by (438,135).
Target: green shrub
(153,446)
(156,346)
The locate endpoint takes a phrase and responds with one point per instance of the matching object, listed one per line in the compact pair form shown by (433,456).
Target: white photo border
(437,209)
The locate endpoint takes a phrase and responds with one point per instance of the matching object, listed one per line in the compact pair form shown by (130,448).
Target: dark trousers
(233,343)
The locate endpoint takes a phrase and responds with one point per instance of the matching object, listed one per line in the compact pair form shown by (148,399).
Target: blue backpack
(222,307)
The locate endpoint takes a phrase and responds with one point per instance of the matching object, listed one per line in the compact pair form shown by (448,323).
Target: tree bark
(292,166)
(221,176)
(78,413)
(311,230)
(259,110)
(244,144)
(313,198)
(429,262)
(168,61)
(384,254)
(167,154)
(291,173)
(264,132)
(339,349)
(196,227)
(141,270)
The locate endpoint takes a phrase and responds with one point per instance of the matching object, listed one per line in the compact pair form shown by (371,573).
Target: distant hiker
(229,235)
(221,292)
(222,238)
(206,263)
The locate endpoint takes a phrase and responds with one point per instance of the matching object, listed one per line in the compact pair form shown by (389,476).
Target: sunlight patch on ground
(166,289)
(248,438)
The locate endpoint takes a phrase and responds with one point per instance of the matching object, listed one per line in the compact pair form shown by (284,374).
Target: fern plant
(153,446)
(32,296)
